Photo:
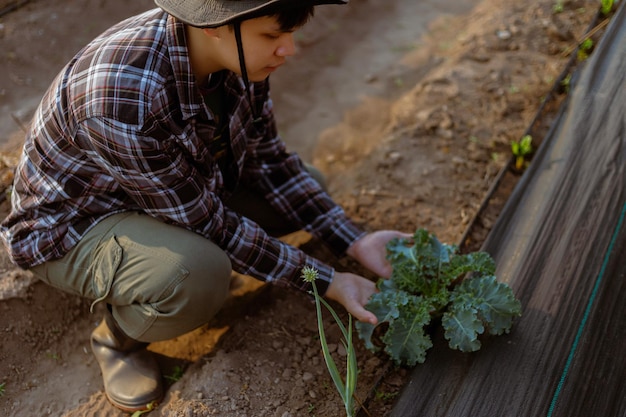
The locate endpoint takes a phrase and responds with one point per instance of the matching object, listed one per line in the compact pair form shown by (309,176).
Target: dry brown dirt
(408,107)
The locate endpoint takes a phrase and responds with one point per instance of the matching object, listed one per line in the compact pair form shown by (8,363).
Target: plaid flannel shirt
(124,127)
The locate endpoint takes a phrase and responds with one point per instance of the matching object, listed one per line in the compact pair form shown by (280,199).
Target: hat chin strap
(244,73)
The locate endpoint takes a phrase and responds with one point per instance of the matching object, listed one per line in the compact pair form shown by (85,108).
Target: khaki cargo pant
(160,280)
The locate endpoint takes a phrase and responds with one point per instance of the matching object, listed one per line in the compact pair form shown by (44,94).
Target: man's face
(265,47)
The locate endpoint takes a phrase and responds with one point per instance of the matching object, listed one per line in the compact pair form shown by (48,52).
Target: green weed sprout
(585,49)
(2,389)
(566,82)
(149,407)
(606,6)
(346,389)
(522,149)
(558,7)
(176,375)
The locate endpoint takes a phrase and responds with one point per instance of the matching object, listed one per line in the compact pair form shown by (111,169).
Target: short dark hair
(293,18)
(288,18)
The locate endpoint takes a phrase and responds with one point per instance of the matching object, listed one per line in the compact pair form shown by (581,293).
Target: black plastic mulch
(560,243)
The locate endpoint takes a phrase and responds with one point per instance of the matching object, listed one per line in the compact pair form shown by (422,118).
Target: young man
(153,168)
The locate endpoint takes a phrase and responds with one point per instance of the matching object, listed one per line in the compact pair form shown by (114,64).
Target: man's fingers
(369,318)
(364,315)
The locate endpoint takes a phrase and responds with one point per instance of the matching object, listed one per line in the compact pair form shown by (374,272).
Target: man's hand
(353,292)
(371,251)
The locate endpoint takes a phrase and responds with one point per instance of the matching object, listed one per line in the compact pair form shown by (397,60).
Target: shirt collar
(191,102)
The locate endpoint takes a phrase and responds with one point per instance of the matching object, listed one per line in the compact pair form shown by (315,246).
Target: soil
(408,107)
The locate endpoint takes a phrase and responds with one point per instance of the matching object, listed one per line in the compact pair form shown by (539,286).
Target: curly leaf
(462,328)
(479,262)
(406,340)
(438,300)
(494,301)
(385,305)
(418,265)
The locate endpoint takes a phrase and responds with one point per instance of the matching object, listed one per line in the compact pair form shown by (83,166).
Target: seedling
(385,396)
(566,82)
(585,49)
(521,150)
(430,280)
(346,389)
(149,407)
(558,7)
(2,389)
(177,374)
(606,6)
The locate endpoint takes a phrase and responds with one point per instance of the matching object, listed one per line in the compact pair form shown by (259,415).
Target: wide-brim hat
(214,13)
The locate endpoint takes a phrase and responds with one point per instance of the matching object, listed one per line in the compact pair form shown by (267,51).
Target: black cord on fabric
(244,72)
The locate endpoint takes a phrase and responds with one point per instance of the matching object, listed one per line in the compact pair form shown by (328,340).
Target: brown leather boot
(132,379)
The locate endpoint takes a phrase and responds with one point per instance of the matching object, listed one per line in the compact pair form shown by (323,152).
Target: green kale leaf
(495,304)
(407,341)
(462,327)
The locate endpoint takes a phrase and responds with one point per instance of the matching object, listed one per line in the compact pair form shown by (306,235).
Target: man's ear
(211,32)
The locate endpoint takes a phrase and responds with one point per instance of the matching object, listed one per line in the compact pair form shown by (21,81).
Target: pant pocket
(141,282)
(106,264)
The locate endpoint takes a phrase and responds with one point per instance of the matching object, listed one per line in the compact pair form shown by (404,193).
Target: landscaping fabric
(560,243)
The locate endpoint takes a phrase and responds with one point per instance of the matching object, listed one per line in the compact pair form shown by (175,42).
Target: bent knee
(204,289)
(183,291)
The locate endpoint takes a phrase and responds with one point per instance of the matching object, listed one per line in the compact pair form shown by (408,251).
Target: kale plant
(432,280)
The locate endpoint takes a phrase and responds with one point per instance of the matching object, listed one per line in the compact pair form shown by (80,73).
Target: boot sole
(133,409)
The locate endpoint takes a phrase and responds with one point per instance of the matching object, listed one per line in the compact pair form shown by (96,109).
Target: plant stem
(346,390)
